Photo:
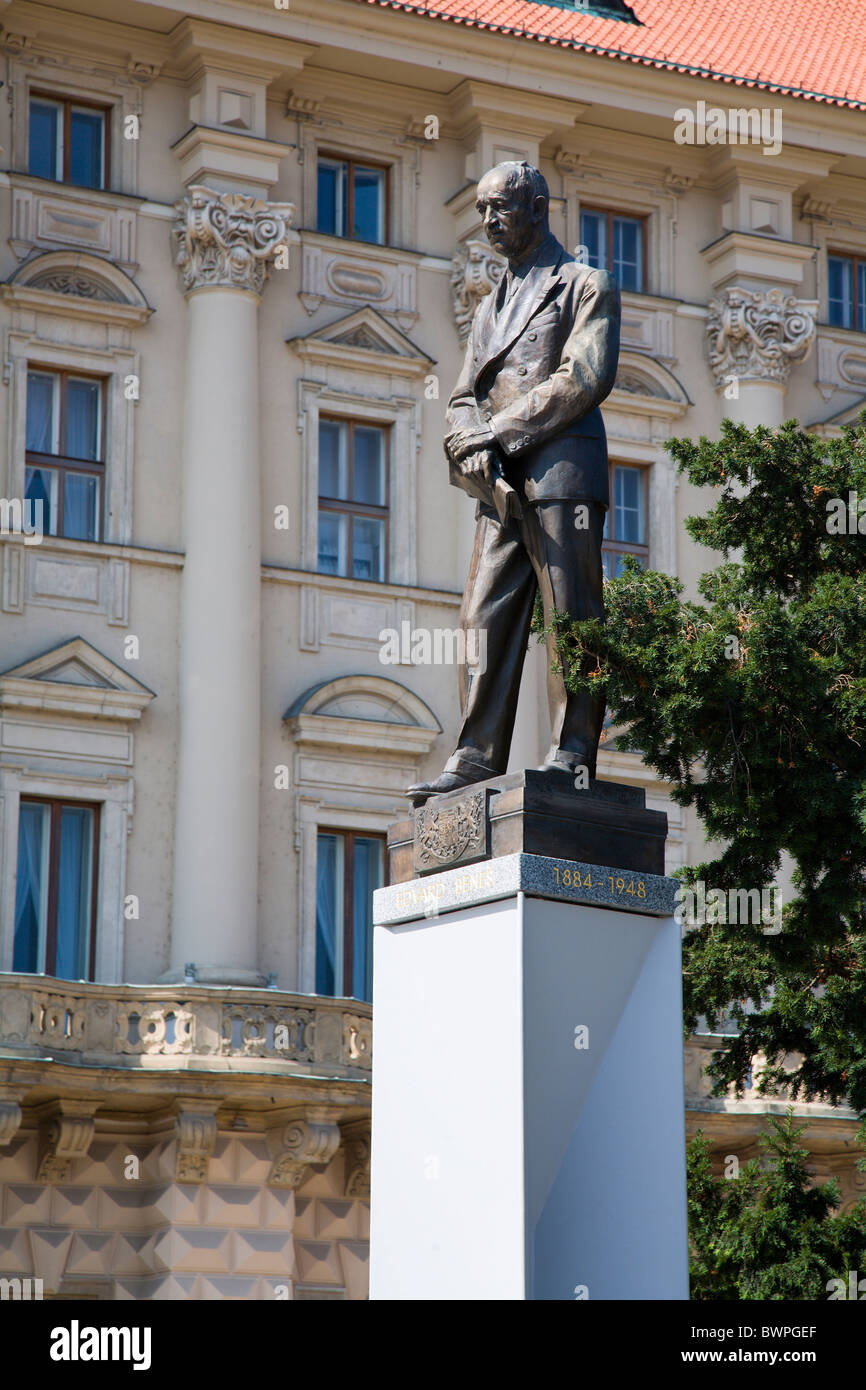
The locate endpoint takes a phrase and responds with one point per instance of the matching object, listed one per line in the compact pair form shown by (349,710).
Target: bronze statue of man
(527,440)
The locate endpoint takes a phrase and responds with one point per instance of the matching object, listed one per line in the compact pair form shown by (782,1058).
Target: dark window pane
(86,147)
(40,491)
(368,861)
(629,520)
(331,199)
(81,507)
(861,296)
(41,413)
(45,126)
(332,543)
(82,419)
(368,465)
(31,899)
(368,549)
(333,467)
(627,252)
(839,291)
(369,213)
(329,914)
(593,235)
(614,561)
(74,882)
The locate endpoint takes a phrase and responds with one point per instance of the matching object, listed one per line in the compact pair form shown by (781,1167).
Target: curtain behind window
(33,830)
(329,863)
(73,895)
(40,413)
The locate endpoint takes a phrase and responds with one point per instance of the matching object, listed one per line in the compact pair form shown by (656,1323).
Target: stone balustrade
(158,1027)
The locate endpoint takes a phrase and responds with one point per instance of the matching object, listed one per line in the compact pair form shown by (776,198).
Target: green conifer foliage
(751,703)
(766,1234)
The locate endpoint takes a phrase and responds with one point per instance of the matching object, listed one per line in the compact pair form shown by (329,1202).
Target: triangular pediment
(74,678)
(74,672)
(833,424)
(365,334)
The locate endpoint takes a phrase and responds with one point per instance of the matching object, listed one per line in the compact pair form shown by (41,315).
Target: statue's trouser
(545,550)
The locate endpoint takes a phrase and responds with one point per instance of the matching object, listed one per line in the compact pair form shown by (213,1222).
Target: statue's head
(513,201)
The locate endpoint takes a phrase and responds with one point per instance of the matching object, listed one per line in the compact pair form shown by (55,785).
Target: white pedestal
(509,1161)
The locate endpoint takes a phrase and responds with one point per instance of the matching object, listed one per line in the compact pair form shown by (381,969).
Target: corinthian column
(753,338)
(222,243)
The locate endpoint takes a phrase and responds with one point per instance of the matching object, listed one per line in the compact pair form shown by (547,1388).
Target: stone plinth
(528,1119)
(534,813)
(528,1114)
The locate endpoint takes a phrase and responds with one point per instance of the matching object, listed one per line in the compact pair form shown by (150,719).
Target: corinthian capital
(475,270)
(757,334)
(227,238)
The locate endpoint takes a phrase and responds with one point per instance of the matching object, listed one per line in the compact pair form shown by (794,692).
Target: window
(68,141)
(348,868)
(846,291)
(353,506)
(625,526)
(55,901)
(352,199)
(64,452)
(615,243)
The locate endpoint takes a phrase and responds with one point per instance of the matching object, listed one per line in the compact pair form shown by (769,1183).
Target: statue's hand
(481,464)
(469,441)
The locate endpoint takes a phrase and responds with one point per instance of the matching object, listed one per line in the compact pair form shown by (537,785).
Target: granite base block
(534,875)
(534,813)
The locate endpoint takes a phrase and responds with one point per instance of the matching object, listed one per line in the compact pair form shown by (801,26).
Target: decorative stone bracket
(196,1129)
(10,1120)
(758,334)
(66,1130)
(304,1141)
(356,1141)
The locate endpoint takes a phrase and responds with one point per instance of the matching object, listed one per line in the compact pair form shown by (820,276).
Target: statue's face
(512,224)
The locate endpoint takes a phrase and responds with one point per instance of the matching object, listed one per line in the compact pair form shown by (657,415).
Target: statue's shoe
(445,782)
(560,767)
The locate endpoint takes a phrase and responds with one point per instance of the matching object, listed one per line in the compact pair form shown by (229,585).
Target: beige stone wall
(102,1235)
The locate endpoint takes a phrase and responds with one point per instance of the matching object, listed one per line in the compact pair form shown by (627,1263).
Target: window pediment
(74,678)
(831,428)
(77,283)
(366,341)
(640,378)
(368,711)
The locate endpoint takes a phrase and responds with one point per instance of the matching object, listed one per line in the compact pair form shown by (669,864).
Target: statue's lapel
(497,332)
(482,326)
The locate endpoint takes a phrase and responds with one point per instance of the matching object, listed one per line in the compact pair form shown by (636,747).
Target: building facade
(239,262)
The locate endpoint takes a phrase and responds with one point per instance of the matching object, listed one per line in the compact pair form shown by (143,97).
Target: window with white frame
(353,498)
(68,141)
(65,464)
(615,242)
(352,199)
(625,525)
(846,291)
(55,902)
(349,867)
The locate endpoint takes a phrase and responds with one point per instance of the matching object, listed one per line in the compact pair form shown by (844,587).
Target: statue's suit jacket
(537,371)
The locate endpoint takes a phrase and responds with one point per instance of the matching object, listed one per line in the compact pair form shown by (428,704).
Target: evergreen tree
(766,1234)
(751,704)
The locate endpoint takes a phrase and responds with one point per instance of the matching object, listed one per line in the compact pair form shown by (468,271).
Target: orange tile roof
(813,49)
